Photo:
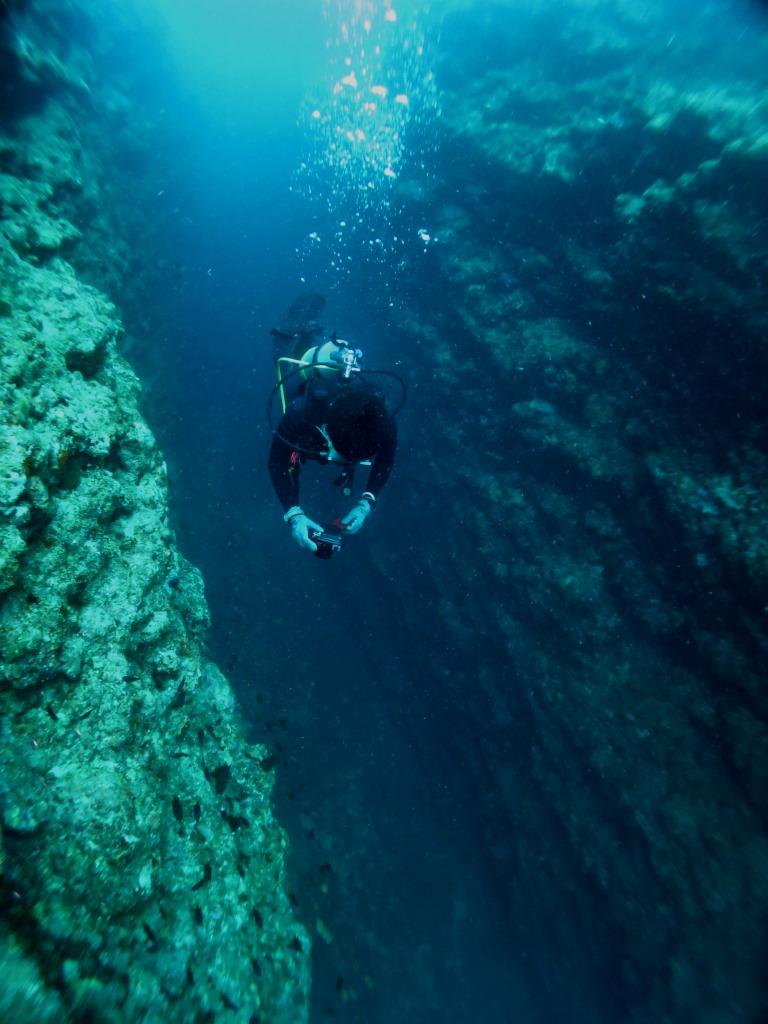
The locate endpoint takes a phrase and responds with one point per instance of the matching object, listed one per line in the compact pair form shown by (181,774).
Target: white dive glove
(301,528)
(353,521)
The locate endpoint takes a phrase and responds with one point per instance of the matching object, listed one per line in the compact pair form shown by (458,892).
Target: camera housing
(328,542)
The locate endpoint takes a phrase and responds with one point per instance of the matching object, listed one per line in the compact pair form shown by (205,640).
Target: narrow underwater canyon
(518,727)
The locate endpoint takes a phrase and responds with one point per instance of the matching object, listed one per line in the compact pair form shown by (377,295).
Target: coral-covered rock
(592,327)
(143,872)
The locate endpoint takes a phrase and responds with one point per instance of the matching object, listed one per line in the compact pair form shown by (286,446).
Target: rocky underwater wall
(585,491)
(143,873)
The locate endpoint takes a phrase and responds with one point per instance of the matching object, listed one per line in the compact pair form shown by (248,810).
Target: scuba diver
(332,413)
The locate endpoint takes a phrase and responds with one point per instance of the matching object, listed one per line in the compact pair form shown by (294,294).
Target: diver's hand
(353,521)
(301,528)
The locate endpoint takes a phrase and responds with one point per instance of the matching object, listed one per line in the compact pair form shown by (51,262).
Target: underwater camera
(328,542)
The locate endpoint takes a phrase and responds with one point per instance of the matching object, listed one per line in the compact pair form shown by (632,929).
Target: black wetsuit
(299,426)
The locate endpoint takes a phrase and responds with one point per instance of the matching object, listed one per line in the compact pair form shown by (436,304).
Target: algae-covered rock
(25,997)
(143,872)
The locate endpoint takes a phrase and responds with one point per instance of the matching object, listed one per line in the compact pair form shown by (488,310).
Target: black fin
(304,311)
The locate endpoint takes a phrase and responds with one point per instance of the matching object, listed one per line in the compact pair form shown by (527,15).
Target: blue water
(365,777)
(387,835)
(365,770)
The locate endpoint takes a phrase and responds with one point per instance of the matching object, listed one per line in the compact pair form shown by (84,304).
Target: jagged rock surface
(142,869)
(592,321)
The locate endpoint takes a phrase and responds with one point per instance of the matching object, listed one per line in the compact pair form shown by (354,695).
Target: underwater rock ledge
(588,322)
(142,868)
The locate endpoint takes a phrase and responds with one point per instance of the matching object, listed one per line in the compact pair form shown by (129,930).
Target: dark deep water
(385,848)
(386,852)
(390,836)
